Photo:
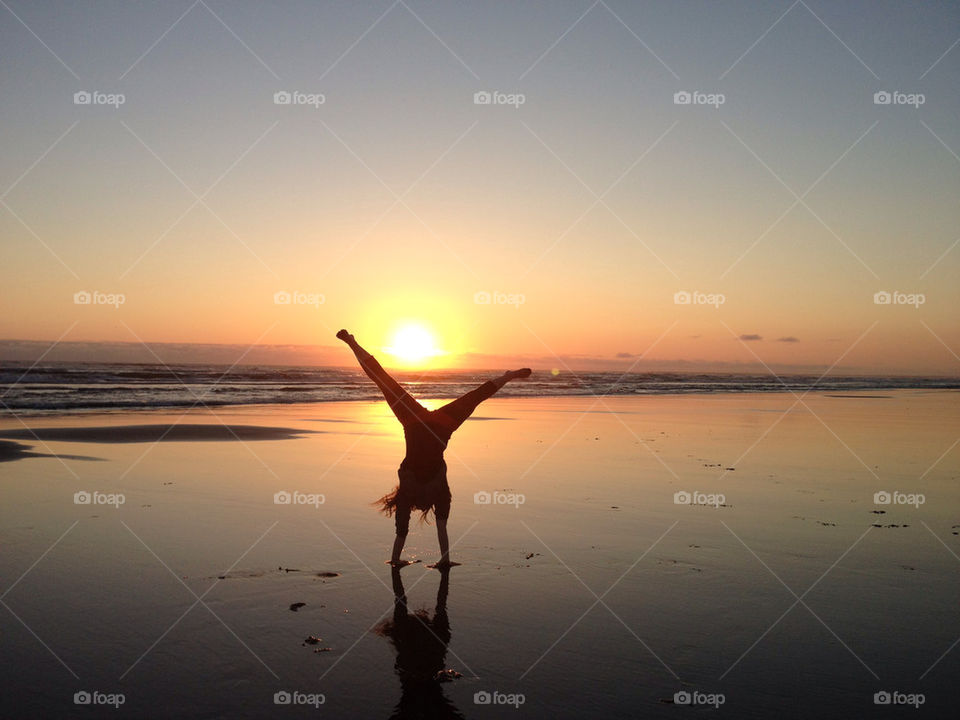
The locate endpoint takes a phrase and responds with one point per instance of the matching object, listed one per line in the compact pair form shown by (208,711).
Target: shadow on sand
(10,451)
(421,646)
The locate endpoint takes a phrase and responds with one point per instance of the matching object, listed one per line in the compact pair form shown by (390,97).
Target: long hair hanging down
(388,503)
(422,498)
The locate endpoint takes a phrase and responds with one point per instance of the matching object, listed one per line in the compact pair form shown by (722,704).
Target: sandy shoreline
(696,596)
(177,432)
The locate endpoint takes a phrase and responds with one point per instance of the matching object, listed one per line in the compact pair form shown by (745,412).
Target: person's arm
(398,542)
(402,520)
(444,542)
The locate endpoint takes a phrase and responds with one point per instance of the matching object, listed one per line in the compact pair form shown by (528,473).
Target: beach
(746,554)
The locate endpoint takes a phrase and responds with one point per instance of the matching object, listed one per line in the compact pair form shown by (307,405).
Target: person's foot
(345,336)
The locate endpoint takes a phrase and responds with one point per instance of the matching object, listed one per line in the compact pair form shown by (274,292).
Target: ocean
(70,387)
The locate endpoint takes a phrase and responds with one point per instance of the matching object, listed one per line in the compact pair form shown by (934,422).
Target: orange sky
(580,214)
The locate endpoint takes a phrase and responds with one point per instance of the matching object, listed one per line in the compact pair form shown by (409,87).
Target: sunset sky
(579,214)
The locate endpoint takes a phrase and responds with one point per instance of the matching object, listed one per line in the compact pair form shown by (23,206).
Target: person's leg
(399,400)
(460,409)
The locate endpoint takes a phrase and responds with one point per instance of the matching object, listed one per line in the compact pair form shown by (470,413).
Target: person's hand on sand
(444,565)
(401,563)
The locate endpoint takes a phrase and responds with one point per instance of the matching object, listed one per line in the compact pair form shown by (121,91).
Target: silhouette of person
(423,472)
(421,645)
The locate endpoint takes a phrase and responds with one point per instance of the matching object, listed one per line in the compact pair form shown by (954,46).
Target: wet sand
(171,432)
(697,521)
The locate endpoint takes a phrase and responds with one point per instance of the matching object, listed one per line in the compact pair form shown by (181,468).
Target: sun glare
(413,344)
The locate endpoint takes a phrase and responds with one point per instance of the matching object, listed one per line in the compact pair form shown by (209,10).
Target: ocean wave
(60,387)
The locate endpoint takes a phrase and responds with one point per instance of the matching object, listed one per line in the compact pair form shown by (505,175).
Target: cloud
(789,338)
(626,355)
(751,337)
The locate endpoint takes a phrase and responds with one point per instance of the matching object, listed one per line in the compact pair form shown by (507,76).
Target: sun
(413,343)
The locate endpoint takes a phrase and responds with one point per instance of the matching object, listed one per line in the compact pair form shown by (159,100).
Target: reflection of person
(421,645)
(423,472)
